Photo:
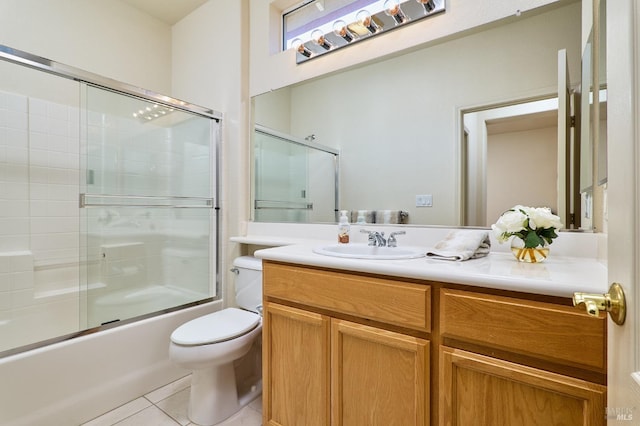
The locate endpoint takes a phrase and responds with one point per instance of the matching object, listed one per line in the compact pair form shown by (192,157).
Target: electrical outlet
(424,200)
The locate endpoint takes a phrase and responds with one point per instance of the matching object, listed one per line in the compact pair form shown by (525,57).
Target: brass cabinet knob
(612,302)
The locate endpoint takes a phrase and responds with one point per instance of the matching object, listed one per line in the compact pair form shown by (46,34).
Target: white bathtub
(129,303)
(71,382)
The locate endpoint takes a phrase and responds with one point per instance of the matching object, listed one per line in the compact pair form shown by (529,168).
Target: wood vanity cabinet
(345,348)
(512,361)
(333,353)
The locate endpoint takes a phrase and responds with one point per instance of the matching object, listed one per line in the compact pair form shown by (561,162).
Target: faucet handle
(375,238)
(371,238)
(392,242)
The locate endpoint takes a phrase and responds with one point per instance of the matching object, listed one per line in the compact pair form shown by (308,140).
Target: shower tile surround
(39,240)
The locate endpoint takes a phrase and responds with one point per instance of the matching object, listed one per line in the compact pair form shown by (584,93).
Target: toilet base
(208,405)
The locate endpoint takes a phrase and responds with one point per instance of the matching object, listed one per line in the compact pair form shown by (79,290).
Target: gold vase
(529,254)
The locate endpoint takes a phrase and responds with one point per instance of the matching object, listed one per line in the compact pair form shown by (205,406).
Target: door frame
(623,196)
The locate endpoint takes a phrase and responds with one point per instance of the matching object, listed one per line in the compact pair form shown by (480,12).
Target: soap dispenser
(343,228)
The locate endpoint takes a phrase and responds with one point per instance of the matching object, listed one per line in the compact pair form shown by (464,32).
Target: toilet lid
(216,327)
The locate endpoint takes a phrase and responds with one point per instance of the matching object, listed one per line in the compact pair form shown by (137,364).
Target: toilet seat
(216,327)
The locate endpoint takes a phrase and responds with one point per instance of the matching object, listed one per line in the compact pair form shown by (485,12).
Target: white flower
(534,225)
(543,218)
(513,220)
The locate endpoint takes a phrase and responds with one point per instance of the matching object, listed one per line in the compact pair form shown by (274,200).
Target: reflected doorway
(510,157)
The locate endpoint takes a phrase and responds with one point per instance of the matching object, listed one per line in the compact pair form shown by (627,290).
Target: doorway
(510,157)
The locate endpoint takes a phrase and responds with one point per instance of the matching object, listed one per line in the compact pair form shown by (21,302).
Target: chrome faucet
(392,242)
(376,238)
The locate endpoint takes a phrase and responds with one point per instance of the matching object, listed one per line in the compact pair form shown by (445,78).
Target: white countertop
(556,276)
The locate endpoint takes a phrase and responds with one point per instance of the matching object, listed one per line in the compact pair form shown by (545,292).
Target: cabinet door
(378,377)
(296,367)
(483,391)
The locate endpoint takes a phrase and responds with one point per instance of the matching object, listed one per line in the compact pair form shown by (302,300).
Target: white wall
(396,121)
(210,67)
(106,37)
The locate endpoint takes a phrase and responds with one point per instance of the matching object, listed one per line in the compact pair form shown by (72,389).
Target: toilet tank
(248,283)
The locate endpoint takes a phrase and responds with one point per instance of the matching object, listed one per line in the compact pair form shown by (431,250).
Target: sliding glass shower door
(147,206)
(107,209)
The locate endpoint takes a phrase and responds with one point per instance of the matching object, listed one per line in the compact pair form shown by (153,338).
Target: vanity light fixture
(340,29)
(318,38)
(366,20)
(353,21)
(392,8)
(429,5)
(301,48)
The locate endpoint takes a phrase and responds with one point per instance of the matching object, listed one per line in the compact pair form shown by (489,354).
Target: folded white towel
(462,245)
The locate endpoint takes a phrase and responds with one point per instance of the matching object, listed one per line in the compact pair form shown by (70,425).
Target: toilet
(223,350)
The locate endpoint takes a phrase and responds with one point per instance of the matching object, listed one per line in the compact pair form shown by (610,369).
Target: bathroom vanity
(382,342)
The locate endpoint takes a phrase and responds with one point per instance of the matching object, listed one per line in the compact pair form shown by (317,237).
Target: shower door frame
(258,128)
(39,63)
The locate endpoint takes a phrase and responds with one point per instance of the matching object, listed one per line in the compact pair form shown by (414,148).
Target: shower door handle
(176,202)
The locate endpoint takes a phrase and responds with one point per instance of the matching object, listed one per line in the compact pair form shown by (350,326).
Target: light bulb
(429,5)
(297,44)
(365,19)
(317,37)
(392,8)
(340,29)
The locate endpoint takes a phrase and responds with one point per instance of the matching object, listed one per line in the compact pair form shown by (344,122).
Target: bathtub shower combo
(108,202)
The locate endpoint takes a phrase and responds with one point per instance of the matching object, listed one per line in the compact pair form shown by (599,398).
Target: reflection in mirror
(294,180)
(593,161)
(601,64)
(397,121)
(586,100)
(495,136)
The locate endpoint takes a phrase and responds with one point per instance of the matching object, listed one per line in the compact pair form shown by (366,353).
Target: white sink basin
(364,251)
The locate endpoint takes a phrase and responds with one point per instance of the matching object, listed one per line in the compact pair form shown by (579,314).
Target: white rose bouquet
(533,225)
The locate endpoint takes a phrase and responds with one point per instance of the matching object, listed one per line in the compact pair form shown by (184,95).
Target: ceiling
(167,11)
(522,123)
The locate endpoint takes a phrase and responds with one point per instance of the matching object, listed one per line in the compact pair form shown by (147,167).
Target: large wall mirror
(398,123)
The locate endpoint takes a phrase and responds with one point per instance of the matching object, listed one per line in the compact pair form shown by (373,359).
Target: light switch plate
(424,200)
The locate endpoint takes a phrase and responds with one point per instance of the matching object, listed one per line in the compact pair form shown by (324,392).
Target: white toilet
(214,345)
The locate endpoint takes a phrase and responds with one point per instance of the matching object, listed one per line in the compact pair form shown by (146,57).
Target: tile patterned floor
(167,406)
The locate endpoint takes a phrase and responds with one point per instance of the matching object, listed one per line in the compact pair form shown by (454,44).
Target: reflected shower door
(148,218)
(293,182)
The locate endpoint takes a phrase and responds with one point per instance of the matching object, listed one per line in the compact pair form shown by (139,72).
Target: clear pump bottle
(343,228)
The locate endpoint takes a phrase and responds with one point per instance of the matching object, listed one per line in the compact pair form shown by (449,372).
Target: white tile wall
(14,189)
(39,239)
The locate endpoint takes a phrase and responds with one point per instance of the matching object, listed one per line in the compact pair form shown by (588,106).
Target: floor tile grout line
(149,403)
(165,412)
